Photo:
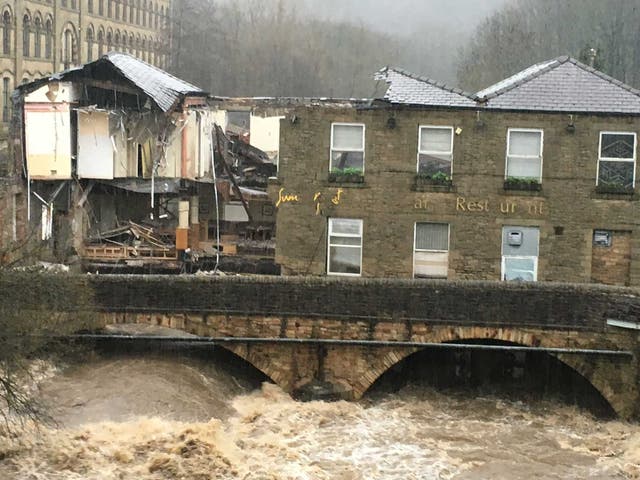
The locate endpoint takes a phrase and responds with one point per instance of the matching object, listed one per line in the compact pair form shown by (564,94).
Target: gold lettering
(504,207)
(336,199)
(284,198)
(460,207)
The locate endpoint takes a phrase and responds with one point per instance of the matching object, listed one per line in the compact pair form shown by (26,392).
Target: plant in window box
(346,175)
(614,187)
(522,183)
(438,179)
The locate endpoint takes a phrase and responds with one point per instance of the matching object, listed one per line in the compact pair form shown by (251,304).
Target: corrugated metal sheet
(162,87)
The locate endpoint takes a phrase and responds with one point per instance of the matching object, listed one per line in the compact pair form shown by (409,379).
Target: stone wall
(303,329)
(567,209)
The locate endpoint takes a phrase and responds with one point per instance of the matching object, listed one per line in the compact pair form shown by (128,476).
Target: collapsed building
(130,168)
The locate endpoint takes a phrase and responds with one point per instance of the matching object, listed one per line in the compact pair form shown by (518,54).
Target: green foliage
(346,171)
(440,178)
(34,309)
(522,181)
(528,31)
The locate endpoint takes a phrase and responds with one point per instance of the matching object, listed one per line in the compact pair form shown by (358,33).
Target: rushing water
(173,417)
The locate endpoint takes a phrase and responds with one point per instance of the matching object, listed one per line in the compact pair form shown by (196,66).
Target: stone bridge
(346,333)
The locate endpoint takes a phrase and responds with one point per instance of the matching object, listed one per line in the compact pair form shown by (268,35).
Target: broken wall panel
(205,122)
(265,135)
(95,145)
(191,149)
(118,134)
(48,141)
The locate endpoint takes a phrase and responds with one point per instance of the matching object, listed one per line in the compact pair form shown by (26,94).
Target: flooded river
(171,416)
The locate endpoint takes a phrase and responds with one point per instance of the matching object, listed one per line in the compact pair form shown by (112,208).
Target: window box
(438,182)
(346,176)
(527,184)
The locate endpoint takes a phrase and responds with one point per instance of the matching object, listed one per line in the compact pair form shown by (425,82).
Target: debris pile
(131,240)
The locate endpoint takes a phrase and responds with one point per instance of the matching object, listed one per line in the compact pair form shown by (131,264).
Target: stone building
(530,179)
(40,37)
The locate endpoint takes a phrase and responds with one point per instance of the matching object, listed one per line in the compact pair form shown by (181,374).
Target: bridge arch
(595,373)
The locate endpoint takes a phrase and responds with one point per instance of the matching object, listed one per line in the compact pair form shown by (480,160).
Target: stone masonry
(567,209)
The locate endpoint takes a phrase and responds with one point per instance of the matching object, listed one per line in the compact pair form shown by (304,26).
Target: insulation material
(265,135)
(192,138)
(235,212)
(120,147)
(170,164)
(95,148)
(204,160)
(147,158)
(48,141)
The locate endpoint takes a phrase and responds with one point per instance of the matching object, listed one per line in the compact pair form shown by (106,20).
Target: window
(100,43)
(89,45)
(26,36)
(520,253)
(90,6)
(435,150)
(6,105)
(68,48)
(617,160)
(101,7)
(37,44)
(347,146)
(48,39)
(524,154)
(6,32)
(345,247)
(431,250)
(109,8)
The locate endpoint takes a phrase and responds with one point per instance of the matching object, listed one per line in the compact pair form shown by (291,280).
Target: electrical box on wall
(602,238)
(514,238)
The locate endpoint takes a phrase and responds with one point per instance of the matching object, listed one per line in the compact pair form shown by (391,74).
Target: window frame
(364,147)
(541,156)
(415,249)
(427,152)
(329,245)
(610,159)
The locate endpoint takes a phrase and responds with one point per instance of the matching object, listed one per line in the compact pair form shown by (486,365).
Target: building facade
(40,37)
(532,179)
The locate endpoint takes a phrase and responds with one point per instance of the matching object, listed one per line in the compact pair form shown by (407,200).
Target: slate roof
(162,87)
(406,88)
(562,85)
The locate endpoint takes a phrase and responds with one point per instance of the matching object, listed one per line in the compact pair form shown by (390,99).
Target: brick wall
(389,207)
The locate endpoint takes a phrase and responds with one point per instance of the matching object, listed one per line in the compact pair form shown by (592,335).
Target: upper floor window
(48,39)
(6,100)
(6,32)
(101,7)
(617,160)
(431,250)
(524,154)
(344,256)
(90,6)
(26,36)
(37,44)
(435,150)
(347,147)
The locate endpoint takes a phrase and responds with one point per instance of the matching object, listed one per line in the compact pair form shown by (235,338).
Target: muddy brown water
(124,416)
